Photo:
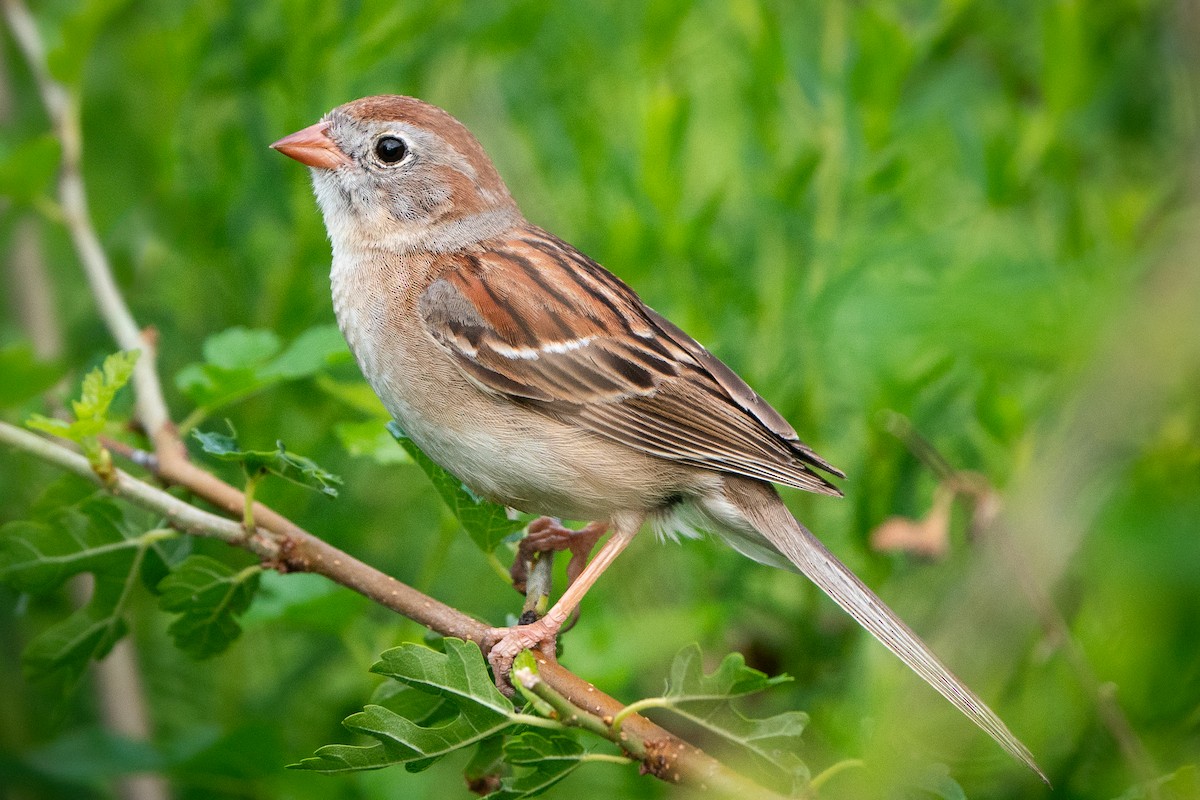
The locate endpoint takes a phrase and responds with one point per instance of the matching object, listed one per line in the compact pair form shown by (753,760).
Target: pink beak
(313,147)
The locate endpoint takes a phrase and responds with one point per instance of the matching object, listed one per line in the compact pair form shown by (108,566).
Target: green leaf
(458,676)
(209,595)
(732,678)
(297,469)
(485,522)
(309,353)
(101,385)
(486,765)
(60,654)
(770,744)
(370,439)
(240,362)
(412,703)
(935,781)
(38,557)
(99,388)
(549,756)
(356,394)
(240,348)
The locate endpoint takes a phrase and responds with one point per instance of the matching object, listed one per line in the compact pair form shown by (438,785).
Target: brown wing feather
(509,317)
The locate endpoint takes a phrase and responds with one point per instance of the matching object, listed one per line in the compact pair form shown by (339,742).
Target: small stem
(158,535)
(181,515)
(252,482)
(609,758)
(851,763)
(494,562)
(534,721)
(638,708)
(572,715)
(537,587)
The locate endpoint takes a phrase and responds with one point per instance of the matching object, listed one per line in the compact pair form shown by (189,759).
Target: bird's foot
(548,535)
(502,645)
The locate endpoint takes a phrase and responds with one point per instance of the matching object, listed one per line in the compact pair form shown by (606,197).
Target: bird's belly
(539,468)
(508,455)
(500,451)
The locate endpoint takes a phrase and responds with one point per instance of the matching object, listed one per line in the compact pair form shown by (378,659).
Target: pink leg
(548,535)
(508,642)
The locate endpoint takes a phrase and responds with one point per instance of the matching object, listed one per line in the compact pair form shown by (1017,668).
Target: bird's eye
(390,149)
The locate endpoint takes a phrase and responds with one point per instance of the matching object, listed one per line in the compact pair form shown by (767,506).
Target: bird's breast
(502,451)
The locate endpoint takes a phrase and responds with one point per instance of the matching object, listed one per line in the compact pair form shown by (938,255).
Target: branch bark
(278,541)
(288,547)
(72,195)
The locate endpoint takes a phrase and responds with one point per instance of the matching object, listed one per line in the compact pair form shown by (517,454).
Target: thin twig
(291,548)
(181,515)
(573,716)
(286,546)
(64,115)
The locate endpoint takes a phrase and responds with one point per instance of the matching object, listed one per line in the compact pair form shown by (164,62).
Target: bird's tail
(759,505)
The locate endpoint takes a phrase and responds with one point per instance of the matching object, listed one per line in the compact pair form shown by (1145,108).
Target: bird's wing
(533,319)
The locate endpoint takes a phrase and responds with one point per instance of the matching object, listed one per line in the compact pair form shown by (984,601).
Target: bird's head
(397,173)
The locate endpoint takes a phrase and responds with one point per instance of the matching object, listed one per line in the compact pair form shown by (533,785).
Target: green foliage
(67,56)
(75,530)
(732,678)
(487,523)
(705,700)
(241,362)
(370,439)
(458,676)
(208,595)
(450,703)
(943,209)
(27,170)
(93,536)
(297,469)
(100,386)
(544,758)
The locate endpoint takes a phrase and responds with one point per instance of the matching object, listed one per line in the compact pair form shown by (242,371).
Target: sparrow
(544,383)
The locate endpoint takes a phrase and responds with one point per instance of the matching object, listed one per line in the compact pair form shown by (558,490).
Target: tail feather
(760,506)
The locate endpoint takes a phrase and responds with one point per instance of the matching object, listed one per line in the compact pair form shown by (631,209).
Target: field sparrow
(545,383)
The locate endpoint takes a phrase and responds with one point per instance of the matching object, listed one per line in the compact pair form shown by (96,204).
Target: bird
(543,382)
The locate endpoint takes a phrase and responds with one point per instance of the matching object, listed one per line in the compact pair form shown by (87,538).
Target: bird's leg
(545,537)
(503,644)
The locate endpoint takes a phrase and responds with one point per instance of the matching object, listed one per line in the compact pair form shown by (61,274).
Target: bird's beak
(313,147)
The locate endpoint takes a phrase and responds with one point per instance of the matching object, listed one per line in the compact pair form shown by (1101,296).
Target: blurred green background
(977,215)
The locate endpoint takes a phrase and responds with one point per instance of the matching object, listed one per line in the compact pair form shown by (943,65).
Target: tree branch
(64,116)
(284,545)
(288,547)
(181,515)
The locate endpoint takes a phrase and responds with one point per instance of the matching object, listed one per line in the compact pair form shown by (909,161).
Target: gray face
(405,187)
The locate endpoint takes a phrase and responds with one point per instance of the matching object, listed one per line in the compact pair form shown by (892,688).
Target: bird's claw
(548,535)
(502,645)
